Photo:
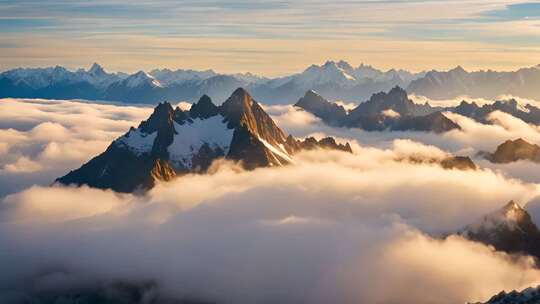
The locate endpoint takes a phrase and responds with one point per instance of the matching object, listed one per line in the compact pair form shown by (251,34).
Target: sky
(270,37)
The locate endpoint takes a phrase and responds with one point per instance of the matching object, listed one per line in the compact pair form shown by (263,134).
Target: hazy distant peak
(141,78)
(96,69)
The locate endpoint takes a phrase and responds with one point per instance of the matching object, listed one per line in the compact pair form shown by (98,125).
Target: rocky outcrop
(458,162)
(329,112)
(514,150)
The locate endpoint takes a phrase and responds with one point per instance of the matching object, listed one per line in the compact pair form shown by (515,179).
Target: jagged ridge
(173,141)
(383,111)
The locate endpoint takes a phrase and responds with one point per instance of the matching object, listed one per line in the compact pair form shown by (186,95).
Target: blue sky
(271,37)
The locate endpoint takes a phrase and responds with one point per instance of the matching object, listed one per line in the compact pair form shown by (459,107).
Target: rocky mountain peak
(458,70)
(161,117)
(398,92)
(396,99)
(204,108)
(513,214)
(514,150)
(344,65)
(96,70)
(141,78)
(238,107)
(509,229)
(239,102)
(326,110)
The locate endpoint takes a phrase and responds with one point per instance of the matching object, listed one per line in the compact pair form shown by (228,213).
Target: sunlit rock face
(508,229)
(514,150)
(175,141)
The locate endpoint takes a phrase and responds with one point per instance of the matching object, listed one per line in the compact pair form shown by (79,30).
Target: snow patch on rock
(137,141)
(191,136)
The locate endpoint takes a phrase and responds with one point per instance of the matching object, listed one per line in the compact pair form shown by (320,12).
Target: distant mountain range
(174,142)
(334,80)
(395,111)
(337,80)
(485,84)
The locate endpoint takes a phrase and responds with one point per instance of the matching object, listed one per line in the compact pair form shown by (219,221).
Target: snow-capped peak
(141,78)
(330,72)
(168,77)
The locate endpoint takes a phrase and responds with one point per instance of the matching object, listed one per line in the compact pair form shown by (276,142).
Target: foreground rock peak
(173,142)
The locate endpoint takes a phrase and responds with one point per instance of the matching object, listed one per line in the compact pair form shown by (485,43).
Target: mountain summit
(509,229)
(172,142)
(514,150)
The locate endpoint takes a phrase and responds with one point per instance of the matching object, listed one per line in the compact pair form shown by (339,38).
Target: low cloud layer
(42,139)
(360,234)
(335,227)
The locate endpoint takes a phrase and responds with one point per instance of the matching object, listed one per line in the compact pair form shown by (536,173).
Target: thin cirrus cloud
(295,33)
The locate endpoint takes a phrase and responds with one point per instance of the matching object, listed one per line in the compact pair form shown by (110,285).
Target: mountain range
(383,111)
(482,84)
(172,142)
(337,80)
(395,111)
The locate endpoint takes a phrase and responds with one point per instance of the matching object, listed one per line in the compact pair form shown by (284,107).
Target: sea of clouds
(366,227)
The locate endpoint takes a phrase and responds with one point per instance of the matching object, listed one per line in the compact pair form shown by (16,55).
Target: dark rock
(329,112)
(514,150)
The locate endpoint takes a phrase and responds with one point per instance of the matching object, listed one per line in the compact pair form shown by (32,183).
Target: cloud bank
(42,139)
(335,227)
(358,235)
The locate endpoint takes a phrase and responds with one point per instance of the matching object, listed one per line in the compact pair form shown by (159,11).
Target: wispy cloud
(314,29)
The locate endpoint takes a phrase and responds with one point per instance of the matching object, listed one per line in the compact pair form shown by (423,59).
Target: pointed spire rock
(237,106)
(160,118)
(204,108)
(96,69)
(458,69)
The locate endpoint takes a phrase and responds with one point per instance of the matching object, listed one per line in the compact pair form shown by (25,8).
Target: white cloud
(43,139)
(272,234)
(334,227)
